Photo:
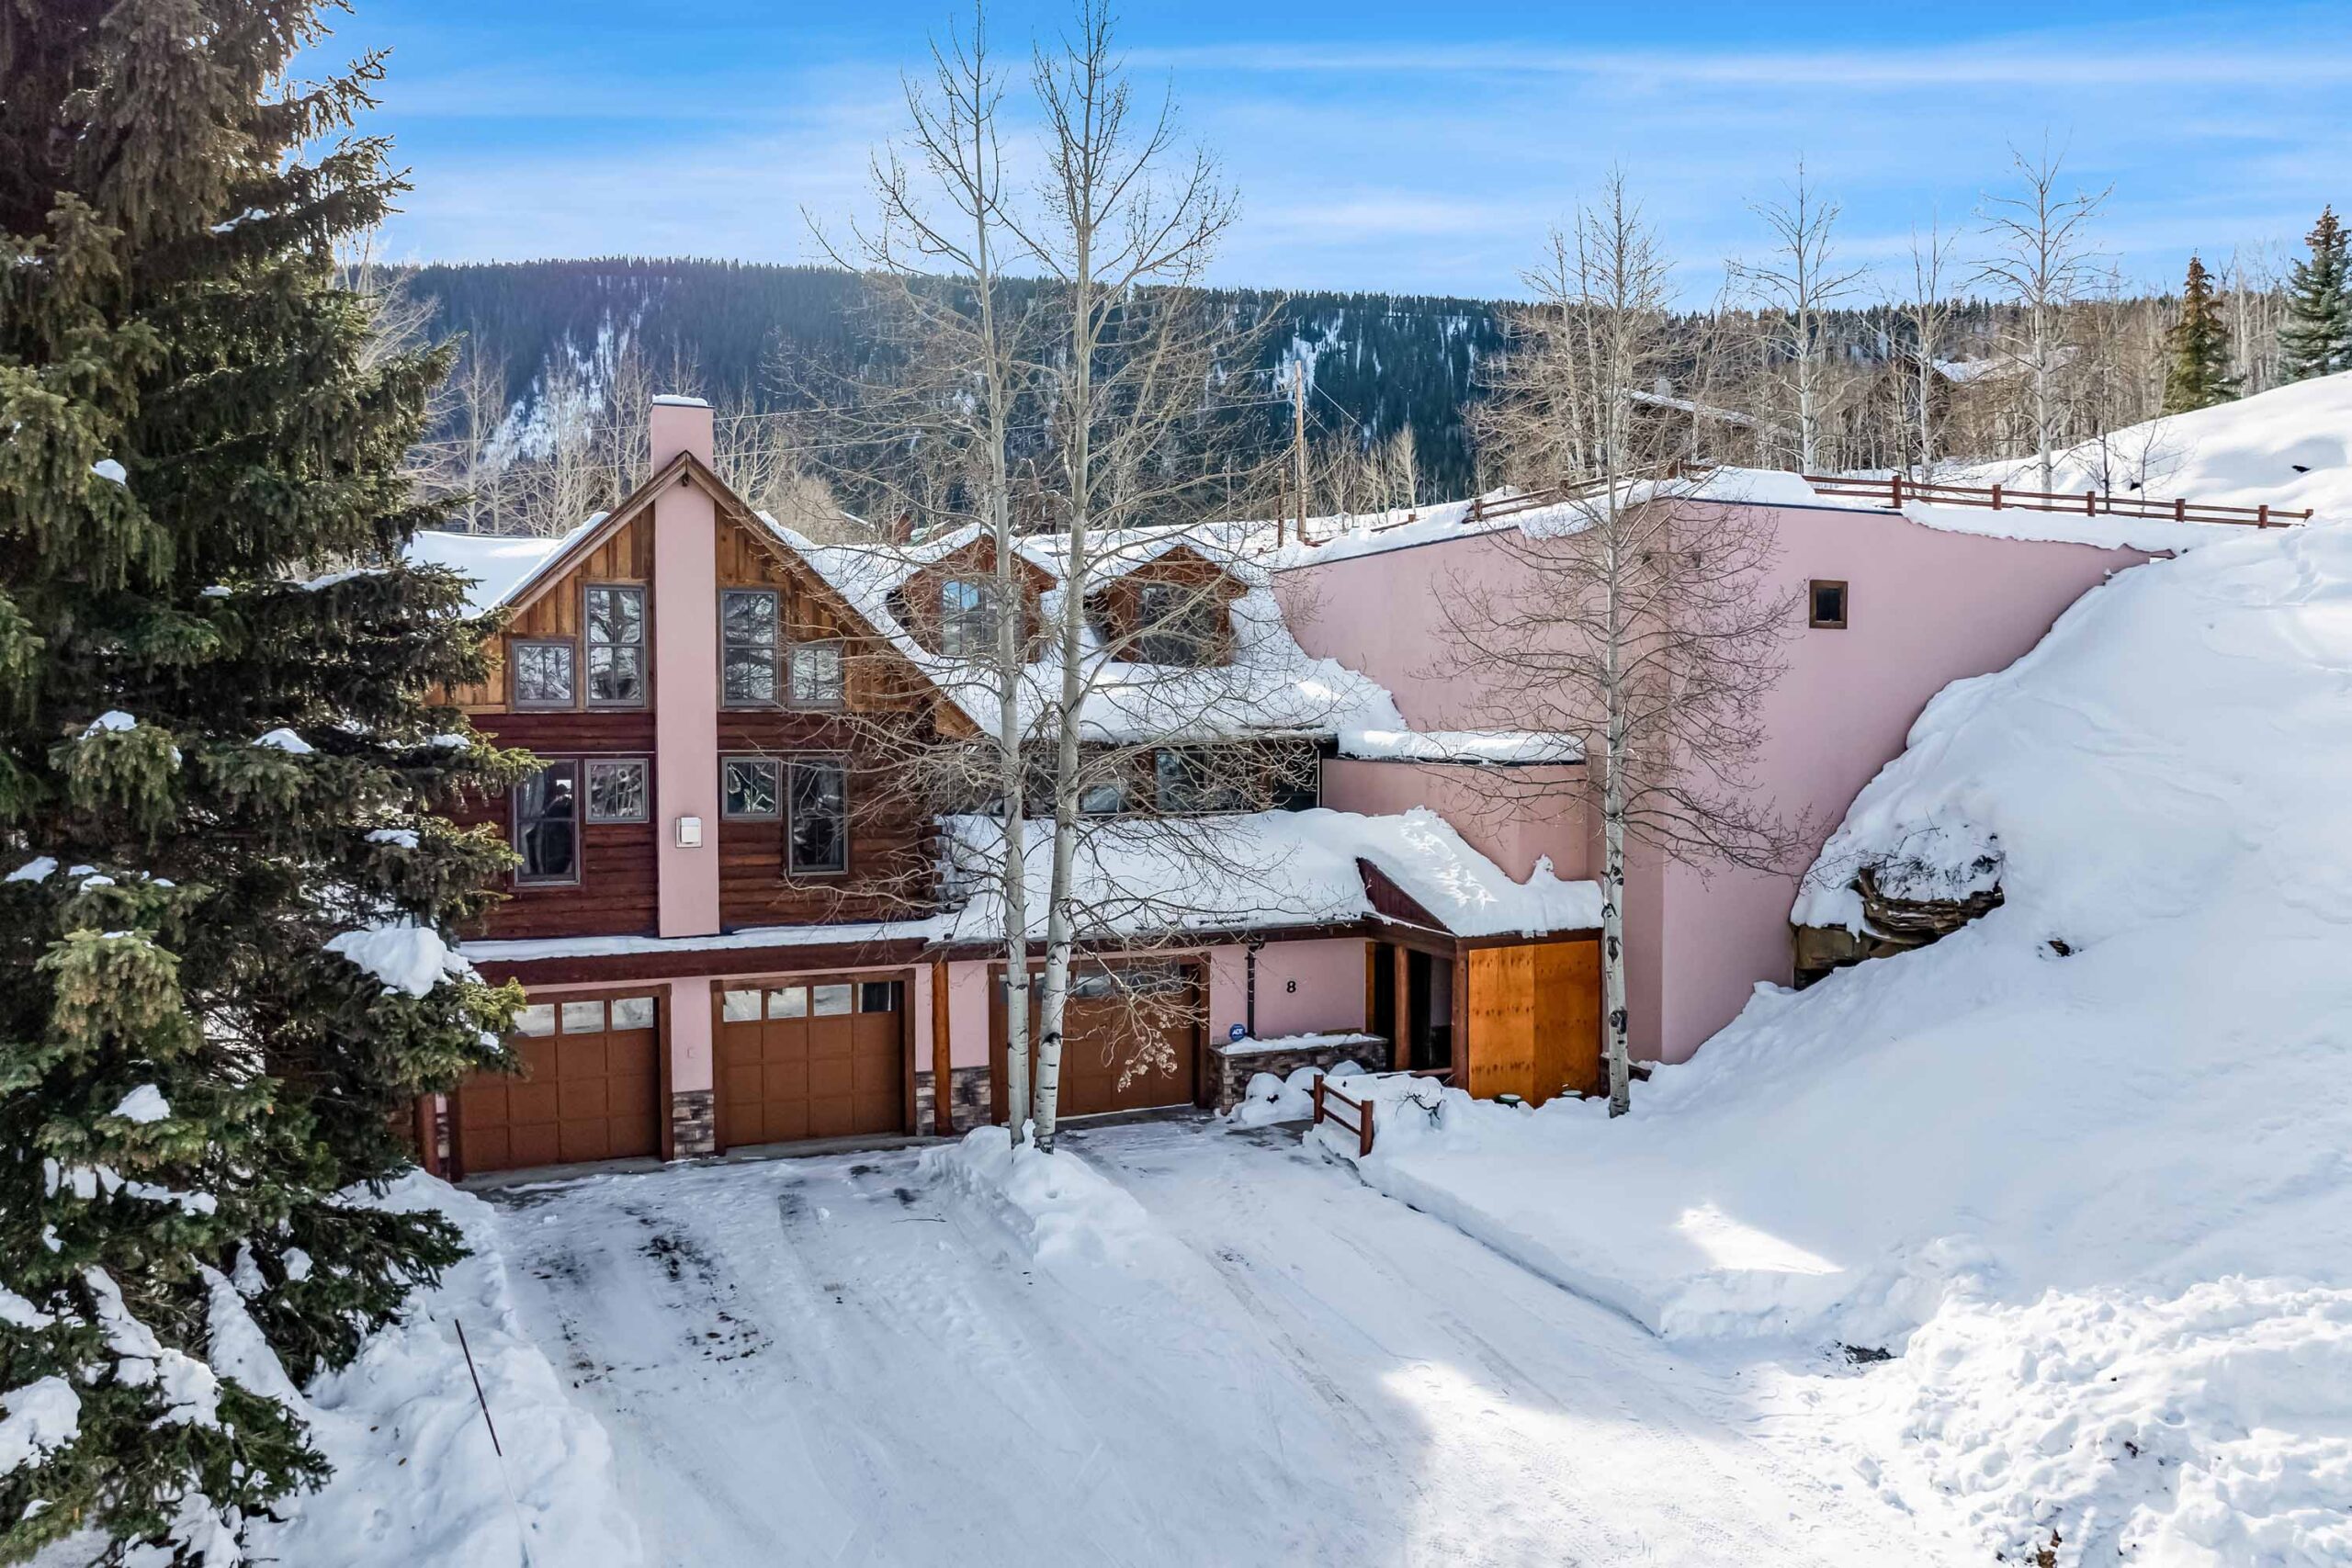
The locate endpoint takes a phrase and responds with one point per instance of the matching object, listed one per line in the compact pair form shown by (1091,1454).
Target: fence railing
(1895,490)
(1353,1115)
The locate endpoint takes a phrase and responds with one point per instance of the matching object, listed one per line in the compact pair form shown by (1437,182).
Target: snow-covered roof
(1156,876)
(499,564)
(1491,746)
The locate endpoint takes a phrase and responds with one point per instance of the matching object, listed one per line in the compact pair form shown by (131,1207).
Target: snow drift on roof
(498,564)
(1142,877)
(1476,745)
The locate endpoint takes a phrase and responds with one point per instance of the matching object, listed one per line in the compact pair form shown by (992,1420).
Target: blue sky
(1383,146)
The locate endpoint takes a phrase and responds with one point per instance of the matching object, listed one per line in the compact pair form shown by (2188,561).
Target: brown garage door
(810,1058)
(591,1087)
(1130,1038)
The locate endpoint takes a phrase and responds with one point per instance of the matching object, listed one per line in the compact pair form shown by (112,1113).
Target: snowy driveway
(849,1360)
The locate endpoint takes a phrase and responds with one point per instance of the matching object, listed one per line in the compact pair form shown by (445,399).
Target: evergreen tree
(2197,376)
(216,756)
(2316,338)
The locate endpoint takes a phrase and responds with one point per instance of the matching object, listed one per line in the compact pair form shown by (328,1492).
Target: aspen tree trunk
(1058,935)
(1617,1040)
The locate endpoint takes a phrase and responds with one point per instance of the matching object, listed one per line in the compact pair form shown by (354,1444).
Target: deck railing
(1895,490)
(1353,1115)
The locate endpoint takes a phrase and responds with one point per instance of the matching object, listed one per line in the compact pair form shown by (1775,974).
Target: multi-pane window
(1179,624)
(748,787)
(615,622)
(747,625)
(616,791)
(816,673)
(546,824)
(818,834)
(1187,781)
(1105,798)
(545,675)
(967,617)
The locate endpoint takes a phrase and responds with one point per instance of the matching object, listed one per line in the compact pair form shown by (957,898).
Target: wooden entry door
(1536,1021)
(800,1057)
(591,1087)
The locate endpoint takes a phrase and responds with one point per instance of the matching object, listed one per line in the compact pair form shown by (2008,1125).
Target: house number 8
(1290,985)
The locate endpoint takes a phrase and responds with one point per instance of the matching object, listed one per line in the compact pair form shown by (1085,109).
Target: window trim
(778,673)
(588,790)
(1813,604)
(787,687)
(773,760)
(519,876)
(515,675)
(793,759)
(644,646)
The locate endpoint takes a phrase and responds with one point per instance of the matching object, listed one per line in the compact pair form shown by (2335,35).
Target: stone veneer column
(692,1106)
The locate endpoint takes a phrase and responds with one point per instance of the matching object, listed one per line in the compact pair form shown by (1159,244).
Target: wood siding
(1534,1020)
(619,892)
(554,611)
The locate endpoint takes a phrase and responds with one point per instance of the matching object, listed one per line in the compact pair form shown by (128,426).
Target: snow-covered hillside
(2086,1164)
(2289,447)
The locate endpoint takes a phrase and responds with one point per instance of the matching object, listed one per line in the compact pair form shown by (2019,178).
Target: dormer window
(967,617)
(1178,624)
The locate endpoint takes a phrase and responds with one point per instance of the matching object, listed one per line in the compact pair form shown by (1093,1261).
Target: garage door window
(633,1012)
(829,1001)
(879,996)
(537,1020)
(583,1018)
(740,1007)
(789,1001)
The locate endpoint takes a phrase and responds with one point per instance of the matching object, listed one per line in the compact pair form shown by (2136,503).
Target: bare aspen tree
(1637,615)
(1795,285)
(1125,223)
(1927,312)
(2042,258)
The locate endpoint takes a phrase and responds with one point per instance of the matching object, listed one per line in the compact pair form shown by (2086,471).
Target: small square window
(739,1007)
(583,1018)
(748,787)
(1828,598)
(537,1020)
(633,1012)
(829,1001)
(617,792)
(816,674)
(879,996)
(544,674)
(789,1001)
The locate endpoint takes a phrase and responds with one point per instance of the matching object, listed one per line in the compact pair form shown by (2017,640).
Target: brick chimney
(681,425)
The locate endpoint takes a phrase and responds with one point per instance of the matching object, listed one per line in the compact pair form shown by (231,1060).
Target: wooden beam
(942,1116)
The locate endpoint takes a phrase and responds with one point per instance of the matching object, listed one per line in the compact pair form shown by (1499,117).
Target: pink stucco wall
(1926,607)
(685,678)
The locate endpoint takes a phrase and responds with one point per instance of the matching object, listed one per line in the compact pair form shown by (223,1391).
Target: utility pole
(1298,443)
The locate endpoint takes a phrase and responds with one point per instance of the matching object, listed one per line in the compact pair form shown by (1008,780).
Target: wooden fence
(1895,490)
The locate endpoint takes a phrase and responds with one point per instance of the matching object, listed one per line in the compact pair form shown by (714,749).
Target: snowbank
(2107,1118)
(1080,1225)
(2289,447)
(416,1479)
